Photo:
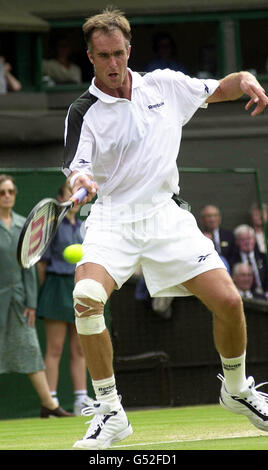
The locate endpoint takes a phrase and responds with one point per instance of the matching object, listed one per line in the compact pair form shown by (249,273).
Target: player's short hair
(107,21)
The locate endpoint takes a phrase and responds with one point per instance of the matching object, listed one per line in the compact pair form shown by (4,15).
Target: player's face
(109,55)
(7,195)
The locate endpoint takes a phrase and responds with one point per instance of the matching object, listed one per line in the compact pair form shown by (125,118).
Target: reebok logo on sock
(231,366)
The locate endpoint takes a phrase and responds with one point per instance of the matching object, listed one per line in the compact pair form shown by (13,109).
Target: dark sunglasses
(11,192)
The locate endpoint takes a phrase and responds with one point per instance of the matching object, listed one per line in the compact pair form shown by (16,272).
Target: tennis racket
(41,226)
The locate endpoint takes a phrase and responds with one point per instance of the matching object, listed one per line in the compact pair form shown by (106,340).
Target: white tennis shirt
(130,147)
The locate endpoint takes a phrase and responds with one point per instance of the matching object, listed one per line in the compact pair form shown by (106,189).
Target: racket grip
(79,195)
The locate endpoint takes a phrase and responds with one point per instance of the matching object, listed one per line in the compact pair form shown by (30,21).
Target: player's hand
(29,313)
(256,92)
(86,181)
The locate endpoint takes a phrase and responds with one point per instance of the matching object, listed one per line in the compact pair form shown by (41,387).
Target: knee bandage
(91,295)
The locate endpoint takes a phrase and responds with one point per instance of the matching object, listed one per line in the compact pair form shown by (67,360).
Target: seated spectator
(7,81)
(243,277)
(159,305)
(224,260)
(247,252)
(257,220)
(141,291)
(165,51)
(162,306)
(207,62)
(61,69)
(223,239)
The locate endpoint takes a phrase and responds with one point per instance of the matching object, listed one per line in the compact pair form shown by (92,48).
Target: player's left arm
(235,85)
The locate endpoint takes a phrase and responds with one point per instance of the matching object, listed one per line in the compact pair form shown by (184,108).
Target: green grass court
(190,428)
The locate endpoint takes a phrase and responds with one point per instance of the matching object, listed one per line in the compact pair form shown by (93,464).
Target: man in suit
(247,252)
(243,277)
(259,221)
(223,239)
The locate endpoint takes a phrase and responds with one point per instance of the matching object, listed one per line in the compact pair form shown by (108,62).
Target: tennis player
(122,139)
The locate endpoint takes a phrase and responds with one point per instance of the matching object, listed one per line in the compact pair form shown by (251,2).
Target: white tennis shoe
(105,428)
(250,402)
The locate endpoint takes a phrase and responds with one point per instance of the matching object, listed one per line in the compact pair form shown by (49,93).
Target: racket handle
(79,195)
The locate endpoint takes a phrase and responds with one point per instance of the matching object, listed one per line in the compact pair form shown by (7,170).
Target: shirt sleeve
(186,92)
(195,92)
(78,143)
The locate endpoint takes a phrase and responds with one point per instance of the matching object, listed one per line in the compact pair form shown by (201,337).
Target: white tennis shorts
(168,246)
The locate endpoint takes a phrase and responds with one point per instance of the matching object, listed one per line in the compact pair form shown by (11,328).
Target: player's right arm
(78,180)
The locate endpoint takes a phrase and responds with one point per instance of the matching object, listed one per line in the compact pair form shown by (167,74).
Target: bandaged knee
(92,296)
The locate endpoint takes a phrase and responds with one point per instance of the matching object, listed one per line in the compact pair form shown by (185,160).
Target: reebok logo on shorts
(203,257)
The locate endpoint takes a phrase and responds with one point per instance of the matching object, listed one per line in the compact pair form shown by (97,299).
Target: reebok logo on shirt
(157,105)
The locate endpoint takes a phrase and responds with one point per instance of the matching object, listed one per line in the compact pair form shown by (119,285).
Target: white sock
(54,396)
(79,395)
(234,370)
(105,390)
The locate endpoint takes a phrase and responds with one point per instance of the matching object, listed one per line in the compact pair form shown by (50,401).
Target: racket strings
(39,232)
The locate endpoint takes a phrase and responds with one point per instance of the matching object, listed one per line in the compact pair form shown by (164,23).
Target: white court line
(187,440)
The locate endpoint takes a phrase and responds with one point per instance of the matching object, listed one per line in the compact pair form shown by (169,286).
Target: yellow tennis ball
(73,253)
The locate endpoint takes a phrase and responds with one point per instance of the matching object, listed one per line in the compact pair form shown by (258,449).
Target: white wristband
(74,178)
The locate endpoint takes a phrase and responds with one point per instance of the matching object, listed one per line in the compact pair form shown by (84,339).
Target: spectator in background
(210,236)
(210,220)
(247,251)
(259,221)
(55,306)
(207,62)
(165,51)
(7,80)
(243,277)
(61,69)
(19,347)
(159,305)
